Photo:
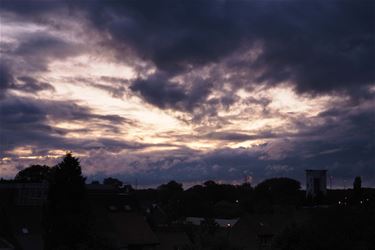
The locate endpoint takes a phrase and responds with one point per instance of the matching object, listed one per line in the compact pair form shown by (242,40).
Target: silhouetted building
(21,206)
(117,219)
(25,194)
(257,231)
(26,225)
(316,182)
(172,239)
(224,223)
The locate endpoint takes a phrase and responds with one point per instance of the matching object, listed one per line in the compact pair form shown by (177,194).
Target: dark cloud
(31,85)
(32,7)
(319,46)
(195,48)
(235,136)
(163,93)
(6,78)
(24,84)
(324,47)
(178,32)
(27,122)
(44,45)
(40,48)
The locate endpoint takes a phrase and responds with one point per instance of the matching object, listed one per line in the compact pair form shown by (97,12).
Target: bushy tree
(209,183)
(278,191)
(112,182)
(170,195)
(34,173)
(284,185)
(66,217)
(171,186)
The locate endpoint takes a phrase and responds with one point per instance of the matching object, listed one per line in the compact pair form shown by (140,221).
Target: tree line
(66,218)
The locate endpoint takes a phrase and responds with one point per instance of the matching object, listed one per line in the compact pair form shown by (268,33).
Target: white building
(316,182)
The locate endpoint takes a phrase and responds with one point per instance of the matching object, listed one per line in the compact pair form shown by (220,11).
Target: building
(316,182)
(25,194)
(257,231)
(173,238)
(116,219)
(21,214)
(224,223)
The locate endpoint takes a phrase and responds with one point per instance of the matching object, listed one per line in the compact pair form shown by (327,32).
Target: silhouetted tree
(34,173)
(283,185)
(66,218)
(278,191)
(171,186)
(209,183)
(112,182)
(95,182)
(170,197)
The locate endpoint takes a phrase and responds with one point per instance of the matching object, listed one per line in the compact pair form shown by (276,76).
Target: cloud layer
(189,90)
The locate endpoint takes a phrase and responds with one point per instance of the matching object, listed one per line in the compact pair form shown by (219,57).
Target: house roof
(26,226)
(123,228)
(221,222)
(172,240)
(133,229)
(119,201)
(249,228)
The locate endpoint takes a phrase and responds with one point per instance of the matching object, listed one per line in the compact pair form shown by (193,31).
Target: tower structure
(316,182)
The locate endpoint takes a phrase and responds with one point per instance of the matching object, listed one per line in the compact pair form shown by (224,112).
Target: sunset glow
(132,95)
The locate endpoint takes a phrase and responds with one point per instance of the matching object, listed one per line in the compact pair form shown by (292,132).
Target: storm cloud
(319,46)
(190,90)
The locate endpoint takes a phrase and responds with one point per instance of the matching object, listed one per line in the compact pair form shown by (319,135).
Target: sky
(152,91)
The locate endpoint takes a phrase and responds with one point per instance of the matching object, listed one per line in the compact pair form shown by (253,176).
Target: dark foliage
(170,198)
(66,216)
(278,191)
(34,173)
(171,186)
(113,182)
